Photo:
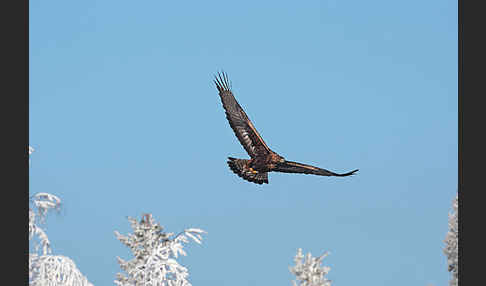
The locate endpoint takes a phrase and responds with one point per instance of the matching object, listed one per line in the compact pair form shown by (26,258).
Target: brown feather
(294,167)
(243,128)
(242,169)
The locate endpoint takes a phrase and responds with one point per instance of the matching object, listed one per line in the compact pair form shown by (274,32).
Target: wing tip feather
(222,82)
(348,173)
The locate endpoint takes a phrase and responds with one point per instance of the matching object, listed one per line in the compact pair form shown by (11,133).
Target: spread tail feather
(240,167)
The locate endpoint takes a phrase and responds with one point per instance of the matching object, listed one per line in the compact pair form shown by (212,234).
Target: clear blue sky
(125,119)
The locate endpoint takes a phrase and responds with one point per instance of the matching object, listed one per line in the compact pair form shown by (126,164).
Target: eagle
(263,159)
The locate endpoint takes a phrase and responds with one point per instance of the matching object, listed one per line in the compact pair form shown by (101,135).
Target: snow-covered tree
(44,268)
(155,253)
(310,272)
(55,270)
(451,241)
(41,204)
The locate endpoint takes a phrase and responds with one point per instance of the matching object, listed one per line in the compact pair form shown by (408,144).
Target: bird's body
(263,159)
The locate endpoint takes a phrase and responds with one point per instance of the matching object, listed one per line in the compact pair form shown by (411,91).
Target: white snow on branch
(46,269)
(451,241)
(155,253)
(30,150)
(54,270)
(310,272)
(45,202)
(38,232)
(42,203)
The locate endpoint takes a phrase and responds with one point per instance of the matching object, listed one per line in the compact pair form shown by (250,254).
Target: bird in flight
(263,159)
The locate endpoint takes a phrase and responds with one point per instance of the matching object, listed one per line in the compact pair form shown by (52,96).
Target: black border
(15,135)
(470,152)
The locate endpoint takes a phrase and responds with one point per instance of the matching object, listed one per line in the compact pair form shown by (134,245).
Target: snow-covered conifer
(155,253)
(46,269)
(310,272)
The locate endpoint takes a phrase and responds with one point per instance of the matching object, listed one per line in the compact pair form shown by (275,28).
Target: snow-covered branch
(310,272)
(155,253)
(46,269)
(42,203)
(55,270)
(451,241)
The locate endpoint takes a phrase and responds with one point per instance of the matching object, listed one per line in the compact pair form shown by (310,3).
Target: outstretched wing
(294,167)
(239,121)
